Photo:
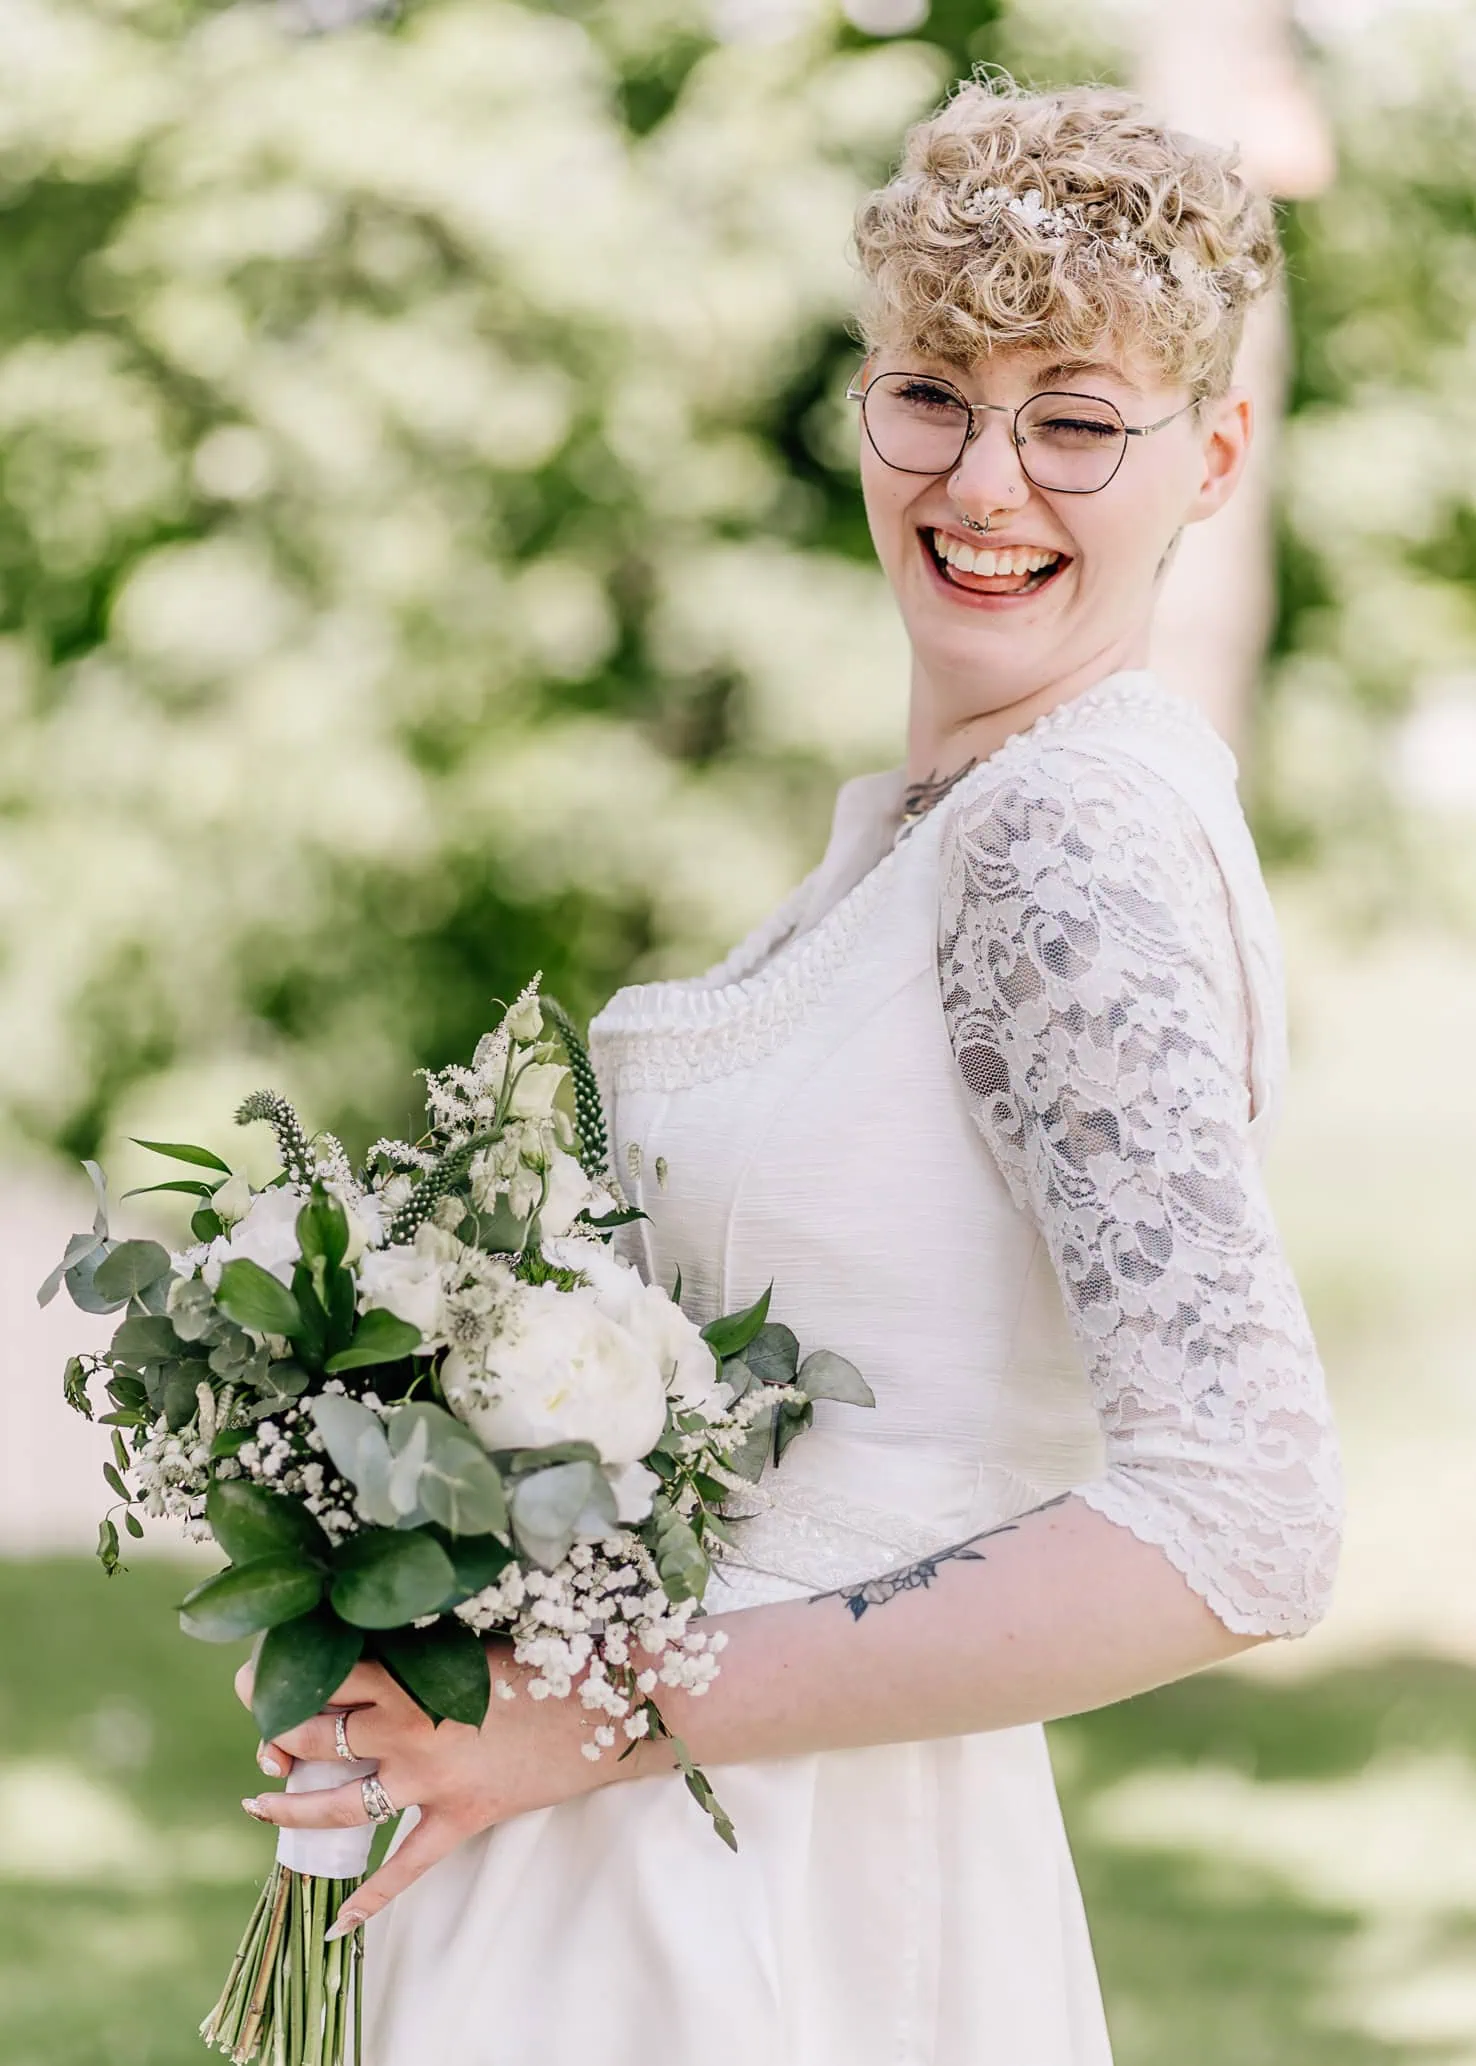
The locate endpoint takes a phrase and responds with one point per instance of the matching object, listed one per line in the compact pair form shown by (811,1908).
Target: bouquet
(417,1404)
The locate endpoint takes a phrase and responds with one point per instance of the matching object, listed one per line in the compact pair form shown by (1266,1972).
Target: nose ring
(968,521)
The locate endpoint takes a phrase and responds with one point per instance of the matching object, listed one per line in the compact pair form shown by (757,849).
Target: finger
(274,1761)
(428,1842)
(318,1737)
(335,1807)
(245,1682)
(369,1685)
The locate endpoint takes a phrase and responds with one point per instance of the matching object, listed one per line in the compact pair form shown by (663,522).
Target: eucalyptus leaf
(545,1506)
(600,1515)
(245,1598)
(194,1312)
(792,1420)
(443,1668)
(146,1338)
(79,1282)
(132,1266)
(754,1451)
(343,1423)
(730,1335)
(300,1666)
(773,1354)
(254,1298)
(384,1578)
(680,1558)
(824,1375)
(459,1486)
(248,1522)
(80,1246)
(408,1461)
(100,1192)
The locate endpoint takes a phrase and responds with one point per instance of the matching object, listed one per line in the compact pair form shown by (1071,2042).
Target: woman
(986,1100)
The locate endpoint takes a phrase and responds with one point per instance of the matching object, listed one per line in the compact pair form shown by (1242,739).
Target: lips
(1037,568)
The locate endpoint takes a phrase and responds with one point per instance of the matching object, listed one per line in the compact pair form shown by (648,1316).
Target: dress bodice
(843,1107)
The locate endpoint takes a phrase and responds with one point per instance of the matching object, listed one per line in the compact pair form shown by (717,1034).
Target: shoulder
(1089,836)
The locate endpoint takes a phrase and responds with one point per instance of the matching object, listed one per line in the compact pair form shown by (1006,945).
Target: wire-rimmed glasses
(1068,444)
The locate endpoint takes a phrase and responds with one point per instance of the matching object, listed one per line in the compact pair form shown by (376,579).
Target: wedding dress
(986,1101)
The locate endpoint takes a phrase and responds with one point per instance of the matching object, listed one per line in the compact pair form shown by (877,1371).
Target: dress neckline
(794,953)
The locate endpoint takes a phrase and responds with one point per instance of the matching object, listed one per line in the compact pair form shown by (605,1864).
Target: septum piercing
(971,525)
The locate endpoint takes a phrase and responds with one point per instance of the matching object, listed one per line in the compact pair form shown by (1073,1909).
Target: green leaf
(300,1666)
(247,1597)
(824,1375)
(180,1403)
(323,1230)
(757,1446)
(253,1297)
(680,1557)
(386,1577)
(120,1451)
(124,1390)
(700,1788)
(730,1335)
(381,1337)
(230,1441)
(107,1547)
(100,1192)
(182,1151)
(146,1338)
(792,1421)
(457,1483)
(193,1187)
(311,1337)
(134,1526)
(74,1387)
(773,1354)
(206,1224)
(478,1561)
(444,1668)
(78,1249)
(249,1522)
(515,1463)
(132,1266)
(110,1472)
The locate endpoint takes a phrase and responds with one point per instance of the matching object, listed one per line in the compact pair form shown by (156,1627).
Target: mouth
(987,575)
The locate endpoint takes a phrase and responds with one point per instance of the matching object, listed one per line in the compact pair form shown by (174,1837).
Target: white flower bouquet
(417,1405)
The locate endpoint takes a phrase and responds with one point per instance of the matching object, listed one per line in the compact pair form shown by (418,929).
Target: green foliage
(444,1667)
(384,1578)
(300,1665)
(254,1298)
(245,1598)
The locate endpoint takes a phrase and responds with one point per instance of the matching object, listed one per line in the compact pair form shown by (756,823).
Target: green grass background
(1203,1964)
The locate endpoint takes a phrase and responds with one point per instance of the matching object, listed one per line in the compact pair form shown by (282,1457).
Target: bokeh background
(430,550)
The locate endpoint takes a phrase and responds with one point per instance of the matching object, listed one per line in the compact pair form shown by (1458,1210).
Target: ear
(1228,424)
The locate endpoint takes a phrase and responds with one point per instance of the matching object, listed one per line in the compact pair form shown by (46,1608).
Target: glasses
(1069,444)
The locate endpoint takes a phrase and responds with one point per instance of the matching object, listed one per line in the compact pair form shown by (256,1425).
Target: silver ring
(971,525)
(377,1804)
(340,1739)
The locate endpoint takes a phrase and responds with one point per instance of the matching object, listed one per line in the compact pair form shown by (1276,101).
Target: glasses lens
(917,425)
(1072,443)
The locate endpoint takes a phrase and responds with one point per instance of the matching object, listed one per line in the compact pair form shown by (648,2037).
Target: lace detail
(669,1036)
(1095,1001)
(792,1539)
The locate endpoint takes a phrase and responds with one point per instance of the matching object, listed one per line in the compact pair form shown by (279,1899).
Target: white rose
(267,1235)
(525,1021)
(563,1371)
(233,1200)
(405,1282)
(536,1088)
(568,1194)
(689,1369)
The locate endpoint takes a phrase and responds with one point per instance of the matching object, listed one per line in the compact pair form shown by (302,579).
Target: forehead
(1017,371)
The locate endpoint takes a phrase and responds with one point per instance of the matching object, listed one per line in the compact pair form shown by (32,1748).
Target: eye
(1082,429)
(927,395)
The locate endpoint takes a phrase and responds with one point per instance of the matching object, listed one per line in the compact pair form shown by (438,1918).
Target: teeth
(1019,559)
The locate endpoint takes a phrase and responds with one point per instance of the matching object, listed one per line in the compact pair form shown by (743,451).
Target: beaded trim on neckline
(697,1029)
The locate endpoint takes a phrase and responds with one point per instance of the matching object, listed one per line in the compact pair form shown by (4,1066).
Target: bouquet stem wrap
(291,1998)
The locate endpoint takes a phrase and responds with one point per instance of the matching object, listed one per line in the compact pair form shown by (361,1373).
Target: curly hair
(1058,220)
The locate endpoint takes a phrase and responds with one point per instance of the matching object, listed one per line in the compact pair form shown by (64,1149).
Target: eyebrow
(1073,369)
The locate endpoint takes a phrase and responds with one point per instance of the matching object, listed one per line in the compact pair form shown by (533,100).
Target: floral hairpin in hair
(986,207)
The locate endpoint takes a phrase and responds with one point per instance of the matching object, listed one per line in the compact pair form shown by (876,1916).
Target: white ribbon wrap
(326,1853)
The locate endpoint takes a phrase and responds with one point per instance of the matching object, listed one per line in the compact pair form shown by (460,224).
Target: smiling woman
(986,1098)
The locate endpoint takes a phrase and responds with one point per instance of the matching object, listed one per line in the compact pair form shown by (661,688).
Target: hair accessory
(987,207)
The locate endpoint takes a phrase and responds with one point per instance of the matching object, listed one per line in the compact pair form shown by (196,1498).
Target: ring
(340,1740)
(377,1804)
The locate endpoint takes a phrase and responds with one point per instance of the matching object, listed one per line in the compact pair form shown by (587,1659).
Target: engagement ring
(377,1804)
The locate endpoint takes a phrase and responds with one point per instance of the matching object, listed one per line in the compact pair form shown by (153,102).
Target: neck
(947,729)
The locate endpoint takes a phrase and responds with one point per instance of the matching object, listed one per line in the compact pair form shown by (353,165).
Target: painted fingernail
(269,1764)
(254,1808)
(348,1919)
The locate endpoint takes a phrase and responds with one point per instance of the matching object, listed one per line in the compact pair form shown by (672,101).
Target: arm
(1090,984)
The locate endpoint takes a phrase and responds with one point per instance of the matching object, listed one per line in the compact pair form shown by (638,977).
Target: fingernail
(269,1764)
(348,1919)
(254,1808)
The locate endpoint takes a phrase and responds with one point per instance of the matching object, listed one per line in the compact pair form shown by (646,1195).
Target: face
(1080,604)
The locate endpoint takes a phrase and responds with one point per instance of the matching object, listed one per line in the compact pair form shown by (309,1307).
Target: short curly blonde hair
(1059,220)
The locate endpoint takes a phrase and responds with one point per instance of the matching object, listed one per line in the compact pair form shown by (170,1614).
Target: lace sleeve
(1094,1000)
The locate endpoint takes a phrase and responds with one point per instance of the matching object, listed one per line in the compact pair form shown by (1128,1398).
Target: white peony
(266,1235)
(688,1367)
(562,1371)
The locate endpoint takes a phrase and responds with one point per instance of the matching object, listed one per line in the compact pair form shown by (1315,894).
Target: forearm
(1056,1613)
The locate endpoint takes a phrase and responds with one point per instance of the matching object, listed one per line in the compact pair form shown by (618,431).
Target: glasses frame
(978,409)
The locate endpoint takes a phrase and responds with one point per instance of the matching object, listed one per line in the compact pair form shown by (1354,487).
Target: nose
(989,478)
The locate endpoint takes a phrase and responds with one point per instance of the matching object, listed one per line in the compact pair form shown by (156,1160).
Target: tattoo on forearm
(875,1592)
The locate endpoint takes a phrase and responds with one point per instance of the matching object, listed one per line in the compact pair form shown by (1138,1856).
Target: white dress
(986,1103)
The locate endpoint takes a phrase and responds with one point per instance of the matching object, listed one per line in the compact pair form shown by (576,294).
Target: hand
(525,1755)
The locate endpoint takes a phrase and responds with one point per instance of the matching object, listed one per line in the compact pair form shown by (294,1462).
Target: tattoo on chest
(875,1592)
(919,797)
